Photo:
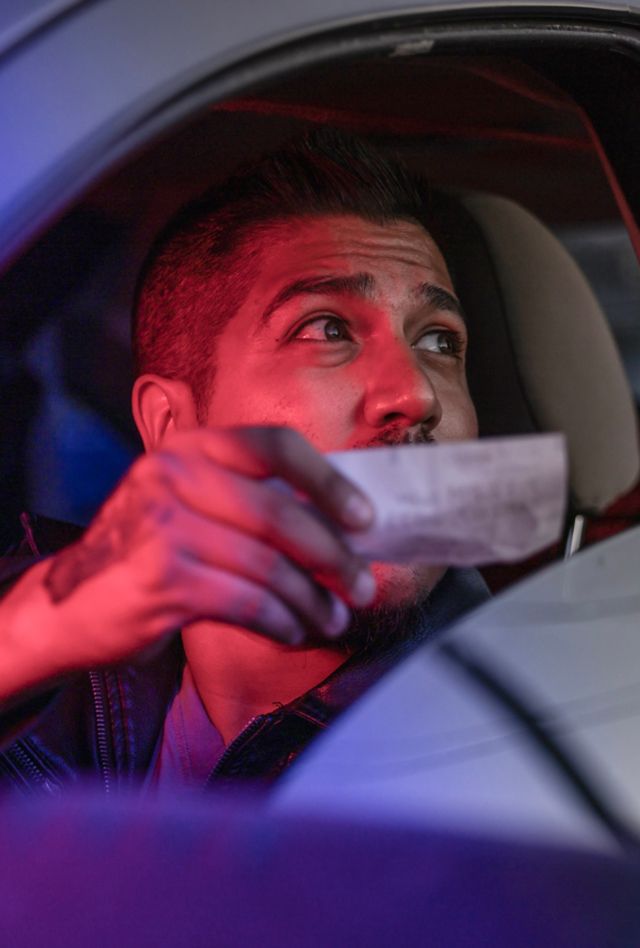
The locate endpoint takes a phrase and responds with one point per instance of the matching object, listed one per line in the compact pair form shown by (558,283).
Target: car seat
(542,356)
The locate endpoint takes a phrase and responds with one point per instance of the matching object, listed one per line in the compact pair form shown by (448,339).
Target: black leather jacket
(107,723)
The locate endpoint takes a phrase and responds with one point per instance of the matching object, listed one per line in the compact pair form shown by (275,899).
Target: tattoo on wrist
(73,566)
(111,536)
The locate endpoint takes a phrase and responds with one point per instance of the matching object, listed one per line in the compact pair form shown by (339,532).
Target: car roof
(83,84)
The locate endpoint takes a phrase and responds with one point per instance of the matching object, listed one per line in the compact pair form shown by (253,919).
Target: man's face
(352,335)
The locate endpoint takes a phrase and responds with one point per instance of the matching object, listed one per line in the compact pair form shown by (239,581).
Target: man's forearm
(31,652)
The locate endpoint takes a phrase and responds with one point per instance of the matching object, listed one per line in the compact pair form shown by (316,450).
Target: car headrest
(542,356)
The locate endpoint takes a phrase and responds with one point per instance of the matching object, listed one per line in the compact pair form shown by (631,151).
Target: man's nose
(400,391)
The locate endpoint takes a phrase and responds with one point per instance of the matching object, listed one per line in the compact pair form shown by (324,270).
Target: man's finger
(263,452)
(222,547)
(219,596)
(275,517)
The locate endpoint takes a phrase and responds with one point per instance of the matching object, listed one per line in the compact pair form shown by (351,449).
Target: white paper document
(464,503)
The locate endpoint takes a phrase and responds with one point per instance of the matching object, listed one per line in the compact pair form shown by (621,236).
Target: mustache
(397,436)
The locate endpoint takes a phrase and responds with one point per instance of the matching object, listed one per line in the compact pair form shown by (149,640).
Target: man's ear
(160,406)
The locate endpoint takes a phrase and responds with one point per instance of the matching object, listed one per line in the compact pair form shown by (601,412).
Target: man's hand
(200,531)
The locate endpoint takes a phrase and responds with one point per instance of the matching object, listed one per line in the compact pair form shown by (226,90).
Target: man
(301,309)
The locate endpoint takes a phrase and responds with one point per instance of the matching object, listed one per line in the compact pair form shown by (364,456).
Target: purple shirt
(190,745)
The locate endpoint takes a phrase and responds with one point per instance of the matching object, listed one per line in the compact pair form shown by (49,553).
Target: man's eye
(442,341)
(324,329)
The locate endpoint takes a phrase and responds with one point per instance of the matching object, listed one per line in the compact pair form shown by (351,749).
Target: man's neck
(240,674)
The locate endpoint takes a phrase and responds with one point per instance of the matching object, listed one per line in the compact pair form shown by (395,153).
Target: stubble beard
(381,627)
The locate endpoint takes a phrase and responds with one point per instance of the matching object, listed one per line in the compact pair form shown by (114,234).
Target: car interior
(524,121)
(531,179)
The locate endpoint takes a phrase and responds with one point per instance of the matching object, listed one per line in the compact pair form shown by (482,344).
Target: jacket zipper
(251,728)
(34,771)
(101,730)
(34,765)
(248,731)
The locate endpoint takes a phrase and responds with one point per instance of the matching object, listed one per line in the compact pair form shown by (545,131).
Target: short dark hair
(200,268)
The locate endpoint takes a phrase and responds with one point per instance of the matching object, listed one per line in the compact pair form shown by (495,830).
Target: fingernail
(340,616)
(364,588)
(358,511)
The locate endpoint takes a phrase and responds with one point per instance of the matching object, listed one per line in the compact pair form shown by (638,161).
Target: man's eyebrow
(439,298)
(357,284)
